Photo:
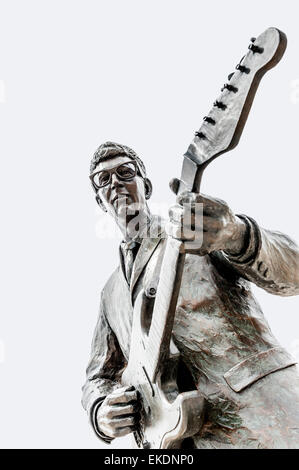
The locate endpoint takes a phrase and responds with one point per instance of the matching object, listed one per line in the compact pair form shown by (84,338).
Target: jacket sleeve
(104,369)
(270,260)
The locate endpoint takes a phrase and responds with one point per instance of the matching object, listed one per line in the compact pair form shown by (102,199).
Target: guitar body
(168,416)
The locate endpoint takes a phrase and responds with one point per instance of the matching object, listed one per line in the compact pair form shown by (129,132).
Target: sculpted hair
(112,149)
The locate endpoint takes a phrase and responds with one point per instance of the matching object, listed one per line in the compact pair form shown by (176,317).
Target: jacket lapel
(146,250)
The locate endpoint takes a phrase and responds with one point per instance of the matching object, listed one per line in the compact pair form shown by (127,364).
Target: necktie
(129,251)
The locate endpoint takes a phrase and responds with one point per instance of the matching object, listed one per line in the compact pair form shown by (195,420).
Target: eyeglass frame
(113,171)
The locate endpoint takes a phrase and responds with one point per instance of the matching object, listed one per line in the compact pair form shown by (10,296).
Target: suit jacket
(250,383)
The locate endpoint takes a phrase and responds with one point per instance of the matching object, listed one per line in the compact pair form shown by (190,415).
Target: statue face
(122,198)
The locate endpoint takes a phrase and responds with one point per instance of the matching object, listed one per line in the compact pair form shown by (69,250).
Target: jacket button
(150,292)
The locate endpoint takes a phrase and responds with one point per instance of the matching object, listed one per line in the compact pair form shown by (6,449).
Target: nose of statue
(115,182)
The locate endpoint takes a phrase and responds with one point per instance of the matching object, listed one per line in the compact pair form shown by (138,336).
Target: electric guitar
(170,415)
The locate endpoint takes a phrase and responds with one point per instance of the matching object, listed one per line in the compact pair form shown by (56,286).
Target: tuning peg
(256,49)
(200,135)
(230,76)
(209,120)
(220,105)
(252,39)
(242,68)
(229,87)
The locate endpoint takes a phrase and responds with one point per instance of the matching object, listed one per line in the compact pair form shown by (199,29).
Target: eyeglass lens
(124,171)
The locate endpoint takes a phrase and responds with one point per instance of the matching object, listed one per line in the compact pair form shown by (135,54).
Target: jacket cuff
(252,243)
(94,423)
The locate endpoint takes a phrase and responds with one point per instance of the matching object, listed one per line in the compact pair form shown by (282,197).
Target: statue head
(118,177)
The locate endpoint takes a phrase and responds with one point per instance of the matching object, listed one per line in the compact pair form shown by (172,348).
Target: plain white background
(72,75)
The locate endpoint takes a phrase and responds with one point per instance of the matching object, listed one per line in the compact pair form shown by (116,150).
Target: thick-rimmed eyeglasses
(125,171)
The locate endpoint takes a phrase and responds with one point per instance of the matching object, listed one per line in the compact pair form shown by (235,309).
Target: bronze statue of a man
(249,382)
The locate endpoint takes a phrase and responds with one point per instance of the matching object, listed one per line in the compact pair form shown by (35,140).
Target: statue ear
(100,202)
(148,188)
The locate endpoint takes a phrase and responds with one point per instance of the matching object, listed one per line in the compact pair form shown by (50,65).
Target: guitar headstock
(223,126)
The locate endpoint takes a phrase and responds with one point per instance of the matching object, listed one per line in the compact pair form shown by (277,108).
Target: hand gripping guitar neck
(168,415)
